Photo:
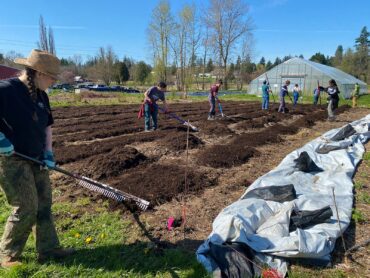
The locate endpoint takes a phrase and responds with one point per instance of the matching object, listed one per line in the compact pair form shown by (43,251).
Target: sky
(280,27)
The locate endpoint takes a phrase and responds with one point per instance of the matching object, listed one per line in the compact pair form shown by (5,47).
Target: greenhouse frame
(307,75)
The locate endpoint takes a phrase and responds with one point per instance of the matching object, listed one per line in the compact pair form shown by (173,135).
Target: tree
(286,58)
(2,59)
(269,65)
(277,62)
(227,21)
(46,39)
(362,54)
(106,59)
(210,67)
(338,56)
(319,58)
(348,64)
(121,72)
(159,32)
(141,72)
(301,56)
(262,61)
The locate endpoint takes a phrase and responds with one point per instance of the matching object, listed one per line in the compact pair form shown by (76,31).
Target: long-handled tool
(174,116)
(220,107)
(318,90)
(92,185)
(268,84)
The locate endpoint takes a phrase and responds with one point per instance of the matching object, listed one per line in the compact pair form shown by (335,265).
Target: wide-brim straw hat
(41,61)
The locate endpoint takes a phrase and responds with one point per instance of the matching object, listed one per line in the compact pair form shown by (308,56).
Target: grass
(358,216)
(101,239)
(60,99)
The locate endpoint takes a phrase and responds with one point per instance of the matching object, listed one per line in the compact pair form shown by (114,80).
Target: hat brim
(24,62)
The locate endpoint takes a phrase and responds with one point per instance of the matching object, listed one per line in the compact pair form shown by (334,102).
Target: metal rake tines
(112,193)
(105,192)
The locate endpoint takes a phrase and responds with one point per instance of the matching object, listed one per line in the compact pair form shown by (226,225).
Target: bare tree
(227,21)
(159,32)
(51,41)
(46,39)
(106,59)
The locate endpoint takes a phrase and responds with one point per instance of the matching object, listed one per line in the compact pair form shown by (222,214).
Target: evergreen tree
(262,61)
(319,58)
(210,67)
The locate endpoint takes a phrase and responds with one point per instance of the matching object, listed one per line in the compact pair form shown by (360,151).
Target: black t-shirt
(22,120)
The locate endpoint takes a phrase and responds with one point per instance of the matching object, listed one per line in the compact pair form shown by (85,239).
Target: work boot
(9,262)
(58,253)
(210,118)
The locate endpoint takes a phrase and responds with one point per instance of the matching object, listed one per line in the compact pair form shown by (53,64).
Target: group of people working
(332,90)
(25,127)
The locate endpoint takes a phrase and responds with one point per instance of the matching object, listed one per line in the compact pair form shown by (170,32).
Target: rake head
(113,193)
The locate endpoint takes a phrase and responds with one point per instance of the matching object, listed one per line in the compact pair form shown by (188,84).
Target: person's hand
(6,147)
(148,100)
(49,159)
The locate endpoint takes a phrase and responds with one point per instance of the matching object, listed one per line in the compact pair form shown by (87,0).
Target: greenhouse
(307,75)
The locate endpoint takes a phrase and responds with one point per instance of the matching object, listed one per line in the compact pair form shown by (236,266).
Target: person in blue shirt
(296,92)
(283,93)
(265,95)
(151,96)
(25,127)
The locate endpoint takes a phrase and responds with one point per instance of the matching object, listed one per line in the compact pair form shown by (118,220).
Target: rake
(95,186)
(220,107)
(174,116)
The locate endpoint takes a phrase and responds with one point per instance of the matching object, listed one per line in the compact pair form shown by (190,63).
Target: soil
(107,143)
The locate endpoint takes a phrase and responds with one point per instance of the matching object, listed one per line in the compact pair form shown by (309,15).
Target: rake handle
(41,163)
(82,178)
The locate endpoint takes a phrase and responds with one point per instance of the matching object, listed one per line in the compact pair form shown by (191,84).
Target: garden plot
(108,143)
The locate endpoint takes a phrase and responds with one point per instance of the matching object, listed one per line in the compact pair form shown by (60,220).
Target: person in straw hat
(25,127)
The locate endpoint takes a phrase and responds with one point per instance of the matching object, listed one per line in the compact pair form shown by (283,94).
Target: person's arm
(146,96)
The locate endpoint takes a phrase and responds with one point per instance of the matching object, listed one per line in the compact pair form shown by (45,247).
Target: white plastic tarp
(264,225)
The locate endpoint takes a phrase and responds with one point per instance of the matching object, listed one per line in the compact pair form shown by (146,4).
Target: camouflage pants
(28,191)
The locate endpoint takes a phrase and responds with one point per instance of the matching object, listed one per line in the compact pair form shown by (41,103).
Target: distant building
(8,72)
(306,74)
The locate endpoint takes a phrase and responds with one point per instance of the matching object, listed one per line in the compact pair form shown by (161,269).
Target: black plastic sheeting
(306,218)
(305,164)
(280,194)
(233,259)
(345,132)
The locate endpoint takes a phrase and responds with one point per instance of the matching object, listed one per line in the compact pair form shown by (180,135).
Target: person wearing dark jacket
(333,98)
(25,127)
(151,96)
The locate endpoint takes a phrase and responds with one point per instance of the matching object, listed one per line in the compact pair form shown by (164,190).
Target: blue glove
(49,159)
(6,147)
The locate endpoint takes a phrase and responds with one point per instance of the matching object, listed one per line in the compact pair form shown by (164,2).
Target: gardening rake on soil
(220,107)
(95,186)
(173,115)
